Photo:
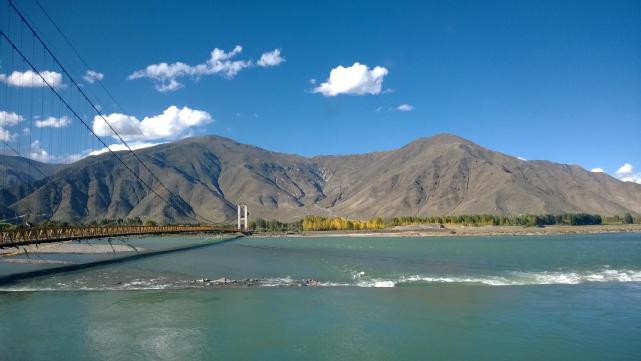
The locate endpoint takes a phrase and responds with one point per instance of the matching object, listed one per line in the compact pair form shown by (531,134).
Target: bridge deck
(20,237)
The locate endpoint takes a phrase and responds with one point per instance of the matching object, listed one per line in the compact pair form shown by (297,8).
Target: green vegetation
(528,220)
(135,221)
(316,223)
(626,219)
(275,226)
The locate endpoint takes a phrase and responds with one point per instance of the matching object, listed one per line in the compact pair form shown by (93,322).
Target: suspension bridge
(50,116)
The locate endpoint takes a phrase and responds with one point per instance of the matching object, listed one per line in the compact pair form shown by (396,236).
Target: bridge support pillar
(242,217)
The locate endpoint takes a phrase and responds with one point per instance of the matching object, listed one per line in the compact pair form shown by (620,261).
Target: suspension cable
(95,108)
(76,115)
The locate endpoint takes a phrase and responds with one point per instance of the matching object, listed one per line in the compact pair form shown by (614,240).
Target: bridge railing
(25,236)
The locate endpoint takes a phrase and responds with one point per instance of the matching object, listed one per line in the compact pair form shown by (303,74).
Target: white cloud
(312,81)
(119,147)
(221,63)
(625,169)
(30,79)
(9,118)
(92,76)
(405,108)
(271,58)
(597,170)
(357,79)
(627,173)
(5,135)
(166,76)
(173,123)
(521,158)
(379,109)
(53,122)
(37,153)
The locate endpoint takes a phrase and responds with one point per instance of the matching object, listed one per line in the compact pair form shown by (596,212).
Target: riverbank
(74,247)
(94,246)
(453,230)
(70,247)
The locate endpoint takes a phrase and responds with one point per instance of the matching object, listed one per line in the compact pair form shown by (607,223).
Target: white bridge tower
(242,217)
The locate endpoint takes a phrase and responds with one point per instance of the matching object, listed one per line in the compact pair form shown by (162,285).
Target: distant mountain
(18,177)
(443,174)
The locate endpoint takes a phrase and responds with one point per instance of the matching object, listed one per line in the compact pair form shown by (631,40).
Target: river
(339,298)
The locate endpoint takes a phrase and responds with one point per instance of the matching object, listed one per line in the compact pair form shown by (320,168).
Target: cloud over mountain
(119,147)
(627,173)
(173,123)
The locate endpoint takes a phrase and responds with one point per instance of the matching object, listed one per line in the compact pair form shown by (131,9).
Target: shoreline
(73,247)
(454,231)
(69,247)
(98,245)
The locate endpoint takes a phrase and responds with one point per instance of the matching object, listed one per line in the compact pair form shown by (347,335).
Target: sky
(553,80)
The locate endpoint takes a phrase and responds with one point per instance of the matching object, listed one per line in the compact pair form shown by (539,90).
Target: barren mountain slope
(443,174)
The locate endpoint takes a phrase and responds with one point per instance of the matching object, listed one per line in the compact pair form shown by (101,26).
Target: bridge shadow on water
(17,277)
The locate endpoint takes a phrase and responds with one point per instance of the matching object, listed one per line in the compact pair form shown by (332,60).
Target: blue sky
(555,80)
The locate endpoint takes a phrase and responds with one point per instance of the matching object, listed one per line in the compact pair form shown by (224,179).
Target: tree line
(275,226)
(527,220)
(318,223)
(626,219)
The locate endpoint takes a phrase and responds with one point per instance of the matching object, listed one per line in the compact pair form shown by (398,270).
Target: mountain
(443,174)
(18,177)
(446,174)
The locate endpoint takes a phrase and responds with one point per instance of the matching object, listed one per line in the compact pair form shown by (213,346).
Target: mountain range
(209,175)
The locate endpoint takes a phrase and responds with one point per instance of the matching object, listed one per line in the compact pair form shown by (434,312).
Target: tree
(627,218)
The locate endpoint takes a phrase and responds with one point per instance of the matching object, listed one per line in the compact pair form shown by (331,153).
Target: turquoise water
(450,298)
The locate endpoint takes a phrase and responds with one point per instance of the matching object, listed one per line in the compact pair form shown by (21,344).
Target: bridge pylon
(242,217)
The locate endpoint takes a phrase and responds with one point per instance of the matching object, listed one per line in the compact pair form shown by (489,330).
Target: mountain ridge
(438,175)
